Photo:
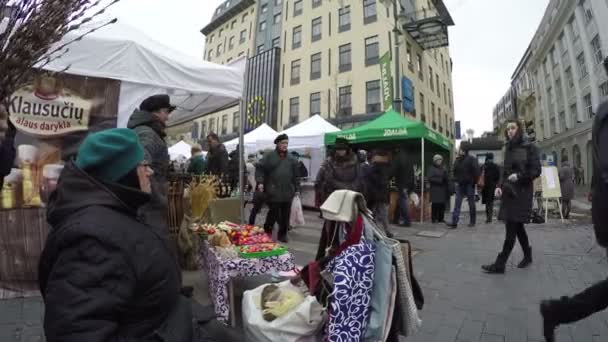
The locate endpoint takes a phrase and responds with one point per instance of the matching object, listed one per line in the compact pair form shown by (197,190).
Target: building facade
(328,63)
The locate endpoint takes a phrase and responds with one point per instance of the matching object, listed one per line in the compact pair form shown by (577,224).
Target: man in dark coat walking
(521,168)
(342,171)
(466,173)
(104,275)
(149,123)
(276,175)
(595,298)
(403,173)
(217,157)
(491,176)
(377,177)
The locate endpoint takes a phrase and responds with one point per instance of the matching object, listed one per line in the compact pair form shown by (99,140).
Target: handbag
(481,181)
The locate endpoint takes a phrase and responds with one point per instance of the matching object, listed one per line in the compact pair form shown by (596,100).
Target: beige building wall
(224,44)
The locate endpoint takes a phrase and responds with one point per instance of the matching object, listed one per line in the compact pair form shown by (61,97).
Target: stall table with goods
(228,251)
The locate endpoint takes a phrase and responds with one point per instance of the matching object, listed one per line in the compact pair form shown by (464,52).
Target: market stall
(109,72)
(306,138)
(391,129)
(250,139)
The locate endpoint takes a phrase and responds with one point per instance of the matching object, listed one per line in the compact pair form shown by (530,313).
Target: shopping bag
(297,214)
(300,324)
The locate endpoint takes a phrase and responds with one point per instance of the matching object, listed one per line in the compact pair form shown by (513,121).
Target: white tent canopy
(146,67)
(250,139)
(309,133)
(181,148)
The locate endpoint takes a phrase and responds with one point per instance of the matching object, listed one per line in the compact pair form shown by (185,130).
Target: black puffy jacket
(104,275)
(466,170)
(600,175)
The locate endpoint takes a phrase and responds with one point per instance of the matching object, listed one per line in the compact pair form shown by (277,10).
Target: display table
(220,273)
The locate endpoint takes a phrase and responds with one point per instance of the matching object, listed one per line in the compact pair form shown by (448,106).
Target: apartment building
(563,81)
(328,61)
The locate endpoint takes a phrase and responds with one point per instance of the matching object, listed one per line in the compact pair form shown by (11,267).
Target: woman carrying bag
(521,167)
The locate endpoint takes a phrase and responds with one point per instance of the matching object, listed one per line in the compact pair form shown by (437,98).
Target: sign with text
(387,81)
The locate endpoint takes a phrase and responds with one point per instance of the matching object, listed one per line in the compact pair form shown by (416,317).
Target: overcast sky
(486,44)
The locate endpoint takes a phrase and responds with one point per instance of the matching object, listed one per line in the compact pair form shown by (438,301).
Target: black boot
(547,310)
(527,258)
(498,267)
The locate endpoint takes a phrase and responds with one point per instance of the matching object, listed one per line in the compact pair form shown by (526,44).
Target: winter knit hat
(280,138)
(437,157)
(111,154)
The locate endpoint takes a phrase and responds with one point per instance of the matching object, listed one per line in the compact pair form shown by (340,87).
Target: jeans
(463,190)
(404,212)
(278,213)
(515,230)
(437,212)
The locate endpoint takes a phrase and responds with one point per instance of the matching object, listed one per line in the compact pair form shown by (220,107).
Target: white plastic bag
(297,214)
(301,324)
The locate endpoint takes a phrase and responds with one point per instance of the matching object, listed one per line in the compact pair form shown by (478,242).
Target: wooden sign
(550,182)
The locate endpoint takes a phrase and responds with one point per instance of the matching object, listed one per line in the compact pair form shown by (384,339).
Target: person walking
(466,173)
(276,176)
(149,123)
(104,275)
(491,176)
(566,182)
(377,176)
(7,152)
(341,171)
(438,180)
(521,167)
(403,173)
(197,165)
(595,298)
(217,157)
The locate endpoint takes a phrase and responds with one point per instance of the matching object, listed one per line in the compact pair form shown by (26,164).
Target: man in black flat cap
(276,175)
(149,123)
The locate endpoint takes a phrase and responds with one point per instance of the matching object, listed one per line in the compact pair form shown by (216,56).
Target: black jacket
(438,179)
(403,171)
(600,175)
(377,181)
(466,170)
(7,153)
(339,174)
(521,158)
(491,175)
(217,160)
(104,275)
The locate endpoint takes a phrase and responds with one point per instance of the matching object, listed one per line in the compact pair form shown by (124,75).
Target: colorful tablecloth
(220,271)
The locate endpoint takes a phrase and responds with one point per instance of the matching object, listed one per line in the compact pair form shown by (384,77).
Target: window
(219,50)
(221,31)
(437,84)
(574,28)
(433,120)
(232,24)
(371,51)
(369,11)
(315,104)
(445,94)
(431,84)
(212,125)
(224,124)
(423,115)
(450,98)
(582,66)
(344,19)
(276,43)
(587,11)
(244,18)
(553,57)
(562,43)
(294,110)
(597,49)
(296,40)
(419,66)
(262,26)
(264,8)
(562,121)
(345,58)
(231,43)
(277,18)
(316,29)
(604,89)
(315,66)
(573,114)
(242,53)
(260,49)
(210,54)
(204,128)
(588,106)
(408,49)
(372,96)
(442,64)
(210,39)
(229,60)
(243,36)
(298,7)
(236,121)
(316,3)
(345,103)
(295,72)
(569,78)
(195,133)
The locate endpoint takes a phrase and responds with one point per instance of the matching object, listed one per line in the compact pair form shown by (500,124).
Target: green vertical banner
(387,81)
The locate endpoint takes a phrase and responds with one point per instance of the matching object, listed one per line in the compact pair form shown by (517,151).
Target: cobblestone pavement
(462,303)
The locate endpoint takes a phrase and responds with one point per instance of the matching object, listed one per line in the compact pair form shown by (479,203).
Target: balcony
(428,27)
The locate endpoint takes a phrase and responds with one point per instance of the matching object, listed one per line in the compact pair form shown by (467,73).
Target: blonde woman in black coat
(521,167)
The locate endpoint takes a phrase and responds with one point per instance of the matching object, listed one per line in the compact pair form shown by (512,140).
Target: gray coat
(438,179)
(566,181)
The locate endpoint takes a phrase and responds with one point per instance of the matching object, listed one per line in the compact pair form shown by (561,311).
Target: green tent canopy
(390,126)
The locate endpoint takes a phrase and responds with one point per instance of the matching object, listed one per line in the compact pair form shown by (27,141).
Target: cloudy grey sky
(486,44)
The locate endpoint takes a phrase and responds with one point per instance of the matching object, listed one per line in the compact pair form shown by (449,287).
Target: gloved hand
(498,192)
(513,177)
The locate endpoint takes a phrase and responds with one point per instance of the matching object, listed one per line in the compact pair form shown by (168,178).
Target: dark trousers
(462,191)
(566,207)
(403,216)
(489,210)
(278,213)
(437,212)
(257,206)
(515,230)
(584,304)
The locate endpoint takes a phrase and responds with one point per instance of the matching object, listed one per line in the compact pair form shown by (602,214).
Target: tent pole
(422,185)
(241,156)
